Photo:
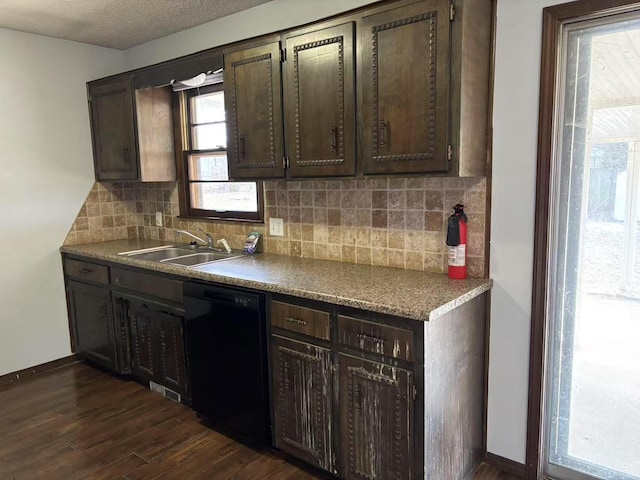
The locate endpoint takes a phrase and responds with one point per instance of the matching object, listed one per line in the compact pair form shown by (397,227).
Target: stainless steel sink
(157,254)
(179,255)
(200,258)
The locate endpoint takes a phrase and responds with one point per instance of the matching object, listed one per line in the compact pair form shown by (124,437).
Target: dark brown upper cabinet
(395,88)
(319,102)
(113,129)
(132,131)
(470,85)
(405,83)
(253,104)
(425,87)
(422,70)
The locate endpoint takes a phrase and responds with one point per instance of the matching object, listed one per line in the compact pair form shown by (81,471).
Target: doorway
(590,258)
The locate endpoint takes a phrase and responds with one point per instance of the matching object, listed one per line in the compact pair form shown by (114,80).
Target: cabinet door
(320,102)
(171,358)
(92,323)
(112,128)
(376,415)
(405,84)
(253,102)
(121,332)
(142,340)
(302,400)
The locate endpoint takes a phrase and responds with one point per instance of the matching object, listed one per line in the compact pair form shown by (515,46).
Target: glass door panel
(592,409)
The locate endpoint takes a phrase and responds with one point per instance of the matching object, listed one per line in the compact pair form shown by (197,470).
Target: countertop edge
(462,299)
(195,274)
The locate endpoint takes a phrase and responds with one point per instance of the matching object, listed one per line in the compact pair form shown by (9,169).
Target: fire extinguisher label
(457,255)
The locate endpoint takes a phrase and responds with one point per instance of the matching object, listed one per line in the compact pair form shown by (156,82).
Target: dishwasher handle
(218,297)
(222,295)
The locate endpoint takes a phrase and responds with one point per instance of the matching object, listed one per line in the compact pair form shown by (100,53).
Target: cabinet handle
(295,321)
(85,271)
(378,342)
(241,147)
(333,138)
(384,133)
(125,155)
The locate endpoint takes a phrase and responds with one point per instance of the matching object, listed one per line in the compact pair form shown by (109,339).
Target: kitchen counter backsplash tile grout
(396,222)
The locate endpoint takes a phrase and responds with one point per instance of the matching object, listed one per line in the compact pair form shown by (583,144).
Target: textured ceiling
(117,24)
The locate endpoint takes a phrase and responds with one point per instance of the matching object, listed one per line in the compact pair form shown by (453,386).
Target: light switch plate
(158,219)
(276,227)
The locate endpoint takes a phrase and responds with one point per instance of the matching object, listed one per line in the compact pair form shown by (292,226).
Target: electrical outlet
(276,227)
(158,219)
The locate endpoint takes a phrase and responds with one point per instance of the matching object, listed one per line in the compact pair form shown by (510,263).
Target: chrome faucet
(209,239)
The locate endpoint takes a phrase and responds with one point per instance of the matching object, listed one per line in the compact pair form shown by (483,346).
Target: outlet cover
(276,227)
(158,219)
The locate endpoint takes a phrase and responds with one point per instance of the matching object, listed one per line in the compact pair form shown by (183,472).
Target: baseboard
(506,465)
(21,375)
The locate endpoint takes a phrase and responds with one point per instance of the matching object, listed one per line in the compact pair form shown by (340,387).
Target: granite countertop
(406,293)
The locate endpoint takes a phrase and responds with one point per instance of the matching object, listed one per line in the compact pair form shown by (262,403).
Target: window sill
(220,219)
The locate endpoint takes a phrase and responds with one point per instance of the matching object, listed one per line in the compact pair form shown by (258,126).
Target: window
(208,193)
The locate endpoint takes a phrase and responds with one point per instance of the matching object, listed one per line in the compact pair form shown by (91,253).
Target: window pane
(230,196)
(208,166)
(206,137)
(207,108)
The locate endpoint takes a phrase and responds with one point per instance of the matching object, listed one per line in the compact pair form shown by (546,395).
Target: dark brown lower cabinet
(302,396)
(121,329)
(157,344)
(129,321)
(376,416)
(141,320)
(172,371)
(347,408)
(92,323)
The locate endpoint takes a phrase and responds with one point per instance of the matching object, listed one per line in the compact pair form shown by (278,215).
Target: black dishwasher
(226,348)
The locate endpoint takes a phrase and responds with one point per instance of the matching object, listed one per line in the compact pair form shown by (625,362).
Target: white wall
(515,129)
(46,172)
(266,18)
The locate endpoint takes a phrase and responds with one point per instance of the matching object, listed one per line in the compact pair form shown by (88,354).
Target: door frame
(553,18)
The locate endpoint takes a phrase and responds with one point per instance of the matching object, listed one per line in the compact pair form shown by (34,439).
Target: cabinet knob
(376,341)
(296,321)
(241,147)
(384,134)
(333,138)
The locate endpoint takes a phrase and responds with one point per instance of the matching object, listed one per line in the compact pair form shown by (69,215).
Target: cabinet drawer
(145,283)
(375,338)
(308,321)
(86,271)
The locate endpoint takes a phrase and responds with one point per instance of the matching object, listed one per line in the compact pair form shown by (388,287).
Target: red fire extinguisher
(457,243)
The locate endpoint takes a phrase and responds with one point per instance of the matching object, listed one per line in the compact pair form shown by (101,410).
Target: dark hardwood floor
(78,422)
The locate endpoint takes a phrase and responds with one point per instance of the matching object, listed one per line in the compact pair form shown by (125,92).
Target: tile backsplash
(396,222)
